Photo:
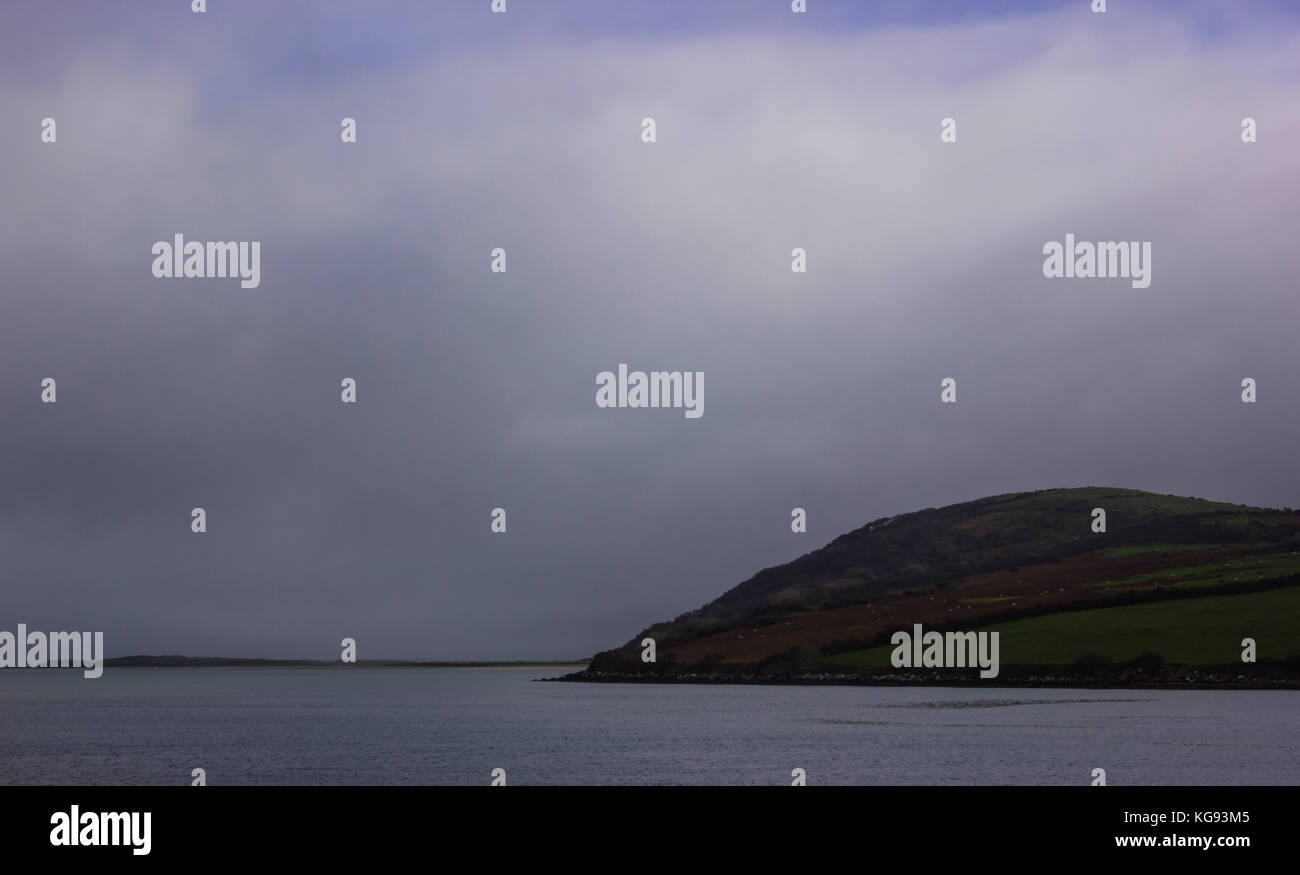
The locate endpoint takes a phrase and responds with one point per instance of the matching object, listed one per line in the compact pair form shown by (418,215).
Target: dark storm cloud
(477,390)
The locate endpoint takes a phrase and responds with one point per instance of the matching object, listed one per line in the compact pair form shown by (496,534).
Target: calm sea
(454,726)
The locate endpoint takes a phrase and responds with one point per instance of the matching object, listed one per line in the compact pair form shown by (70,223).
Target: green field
(1123,552)
(1193,631)
(1247,569)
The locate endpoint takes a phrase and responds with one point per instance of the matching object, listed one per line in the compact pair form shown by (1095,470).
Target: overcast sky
(477,390)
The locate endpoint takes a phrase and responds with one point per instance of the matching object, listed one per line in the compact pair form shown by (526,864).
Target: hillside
(1001,559)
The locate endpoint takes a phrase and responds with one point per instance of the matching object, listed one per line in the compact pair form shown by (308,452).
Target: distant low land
(1163,597)
(172,661)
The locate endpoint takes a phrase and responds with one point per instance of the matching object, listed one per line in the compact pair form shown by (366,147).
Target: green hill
(1000,560)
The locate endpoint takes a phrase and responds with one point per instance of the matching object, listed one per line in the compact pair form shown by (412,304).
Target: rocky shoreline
(1136,678)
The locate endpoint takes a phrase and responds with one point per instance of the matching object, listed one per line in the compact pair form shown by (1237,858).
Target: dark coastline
(1171,679)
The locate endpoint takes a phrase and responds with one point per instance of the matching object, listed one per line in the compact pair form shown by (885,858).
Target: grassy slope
(1204,631)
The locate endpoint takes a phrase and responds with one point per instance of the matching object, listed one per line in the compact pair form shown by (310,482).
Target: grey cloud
(477,390)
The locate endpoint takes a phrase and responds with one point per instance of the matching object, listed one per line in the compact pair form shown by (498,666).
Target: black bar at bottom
(659,826)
